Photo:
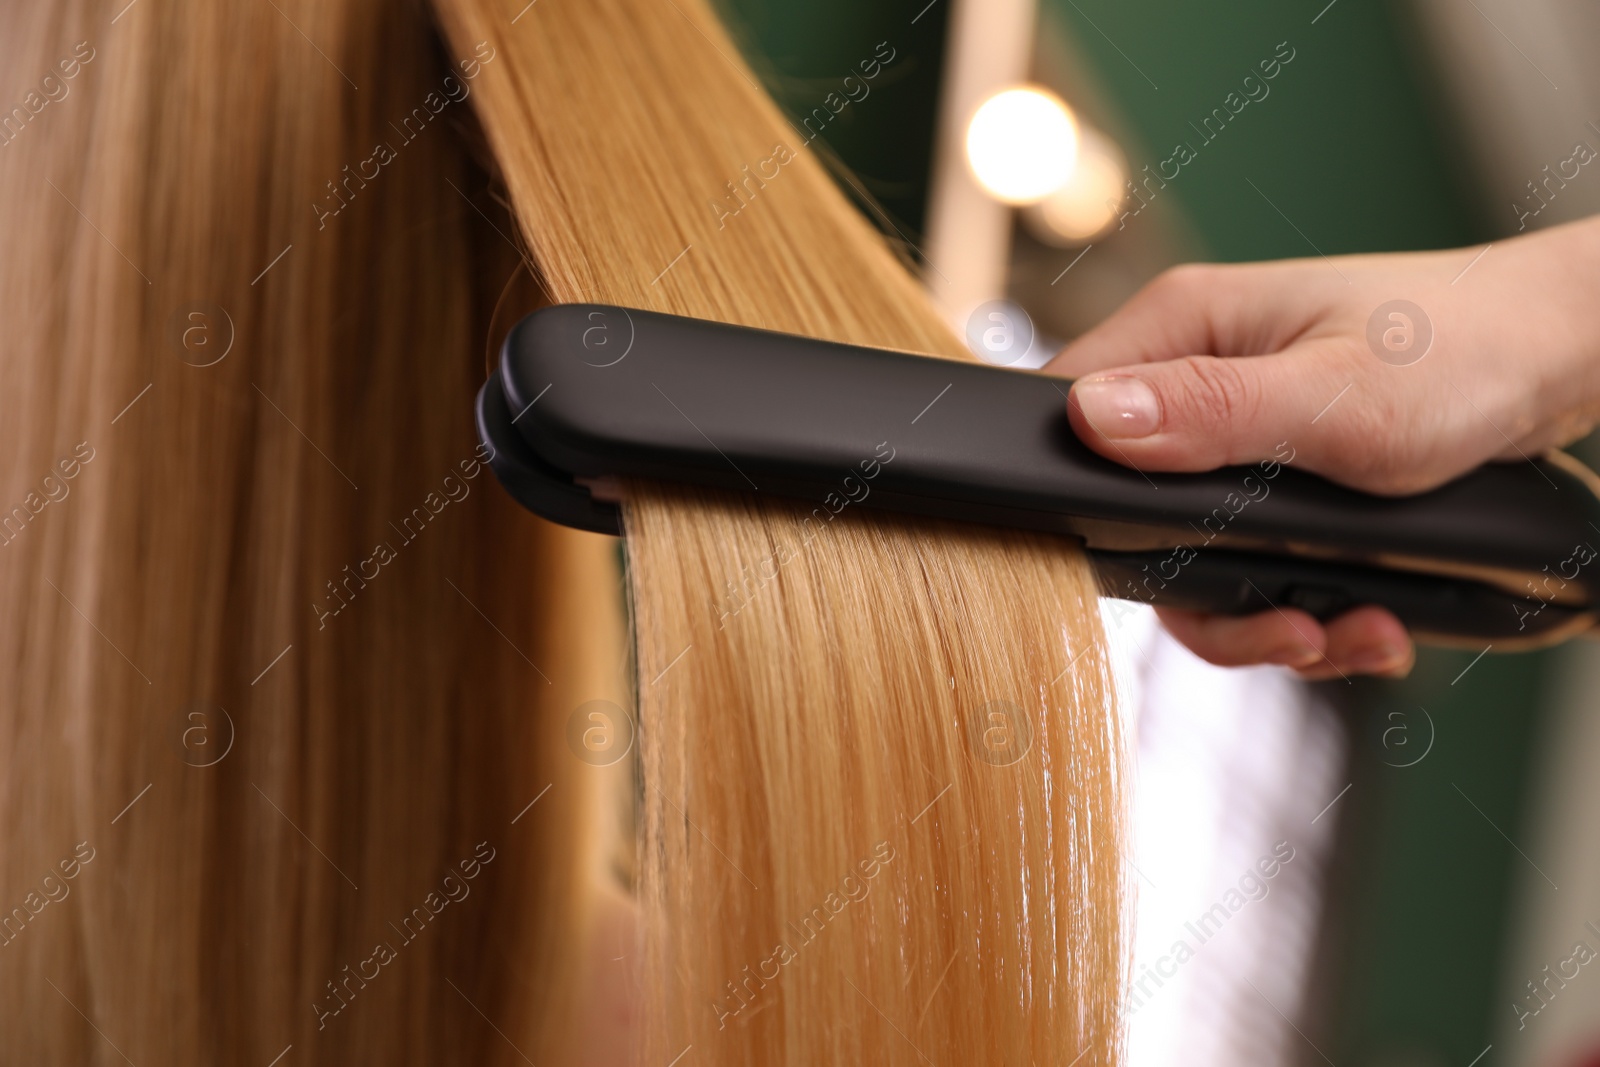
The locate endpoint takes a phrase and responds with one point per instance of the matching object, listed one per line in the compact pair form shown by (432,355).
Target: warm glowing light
(1022,145)
(1086,204)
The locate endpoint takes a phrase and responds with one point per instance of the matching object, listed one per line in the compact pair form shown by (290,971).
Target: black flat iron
(588,393)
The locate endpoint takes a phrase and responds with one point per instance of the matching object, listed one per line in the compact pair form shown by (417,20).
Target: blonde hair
(275,748)
(816,691)
(890,750)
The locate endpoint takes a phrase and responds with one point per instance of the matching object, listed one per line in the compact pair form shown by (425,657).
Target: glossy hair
(881,767)
(390,852)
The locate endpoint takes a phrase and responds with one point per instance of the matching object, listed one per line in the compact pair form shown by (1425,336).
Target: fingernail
(1118,407)
(1377,659)
(1296,656)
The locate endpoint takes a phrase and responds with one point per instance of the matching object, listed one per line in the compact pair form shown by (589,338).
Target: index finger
(1195,309)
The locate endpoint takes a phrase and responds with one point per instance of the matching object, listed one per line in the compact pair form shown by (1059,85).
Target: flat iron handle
(1435,609)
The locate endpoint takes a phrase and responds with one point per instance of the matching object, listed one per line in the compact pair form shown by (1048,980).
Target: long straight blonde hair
(880,773)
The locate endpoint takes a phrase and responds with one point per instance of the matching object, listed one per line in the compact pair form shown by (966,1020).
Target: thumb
(1197,413)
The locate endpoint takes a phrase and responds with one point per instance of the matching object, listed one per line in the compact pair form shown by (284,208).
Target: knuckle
(1214,394)
(1185,281)
(1376,446)
(1390,471)
(1376,438)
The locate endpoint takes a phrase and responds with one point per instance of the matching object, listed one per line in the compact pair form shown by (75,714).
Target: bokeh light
(1022,145)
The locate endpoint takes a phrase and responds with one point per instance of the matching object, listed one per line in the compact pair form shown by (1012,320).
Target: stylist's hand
(1215,365)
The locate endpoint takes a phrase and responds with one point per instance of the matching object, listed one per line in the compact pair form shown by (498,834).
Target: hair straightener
(586,394)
